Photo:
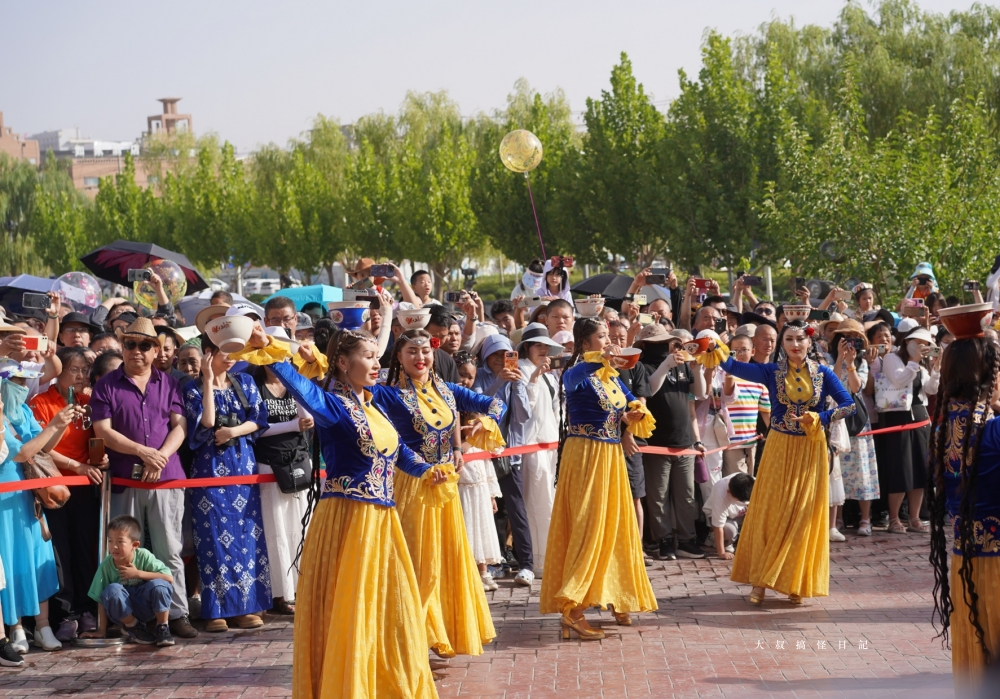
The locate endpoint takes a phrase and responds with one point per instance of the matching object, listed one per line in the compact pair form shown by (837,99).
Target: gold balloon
(521,151)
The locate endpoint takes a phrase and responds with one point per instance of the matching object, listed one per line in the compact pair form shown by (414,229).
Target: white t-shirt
(721,505)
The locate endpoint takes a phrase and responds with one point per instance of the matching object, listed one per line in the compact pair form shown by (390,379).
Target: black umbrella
(112,262)
(608,285)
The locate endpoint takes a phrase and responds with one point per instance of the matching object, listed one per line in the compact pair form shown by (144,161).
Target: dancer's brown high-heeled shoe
(585,633)
(621,618)
(795,599)
(757,596)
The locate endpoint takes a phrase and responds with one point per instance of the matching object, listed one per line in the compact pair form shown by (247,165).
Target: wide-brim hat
(11,368)
(919,334)
(851,327)
(6,327)
(141,328)
(834,318)
(539,334)
(654,332)
(208,314)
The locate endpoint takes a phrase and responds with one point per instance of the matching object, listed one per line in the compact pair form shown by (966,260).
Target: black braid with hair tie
(342,342)
(968,375)
(583,328)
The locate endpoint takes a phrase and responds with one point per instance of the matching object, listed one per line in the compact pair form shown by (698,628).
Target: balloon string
(537,225)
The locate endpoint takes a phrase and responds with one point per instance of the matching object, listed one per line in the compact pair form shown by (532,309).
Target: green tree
(613,190)
(433,215)
(123,210)
(863,208)
(500,197)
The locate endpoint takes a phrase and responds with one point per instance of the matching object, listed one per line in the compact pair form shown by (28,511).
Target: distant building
(15,147)
(170,121)
(91,159)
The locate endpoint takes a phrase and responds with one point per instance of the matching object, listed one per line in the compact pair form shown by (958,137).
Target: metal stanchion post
(102,553)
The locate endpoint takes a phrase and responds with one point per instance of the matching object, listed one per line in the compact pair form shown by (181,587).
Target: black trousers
(517,515)
(74,538)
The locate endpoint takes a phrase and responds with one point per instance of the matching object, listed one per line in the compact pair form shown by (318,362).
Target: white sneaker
(489,584)
(729,549)
(524,577)
(865,528)
(19,640)
(835,535)
(46,640)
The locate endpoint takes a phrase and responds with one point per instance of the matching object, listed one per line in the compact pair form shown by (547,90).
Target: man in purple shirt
(139,413)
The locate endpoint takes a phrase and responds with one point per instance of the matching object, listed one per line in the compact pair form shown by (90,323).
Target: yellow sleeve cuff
(644,428)
(815,429)
(311,370)
(277,351)
(489,437)
(437,495)
(714,358)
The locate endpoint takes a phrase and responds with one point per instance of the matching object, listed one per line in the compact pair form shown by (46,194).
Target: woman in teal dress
(28,559)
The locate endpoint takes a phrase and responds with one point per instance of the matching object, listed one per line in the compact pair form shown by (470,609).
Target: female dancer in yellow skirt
(965,484)
(594,555)
(359,630)
(425,411)
(785,540)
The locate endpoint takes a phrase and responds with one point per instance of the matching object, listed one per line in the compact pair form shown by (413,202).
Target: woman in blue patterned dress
(858,466)
(228,525)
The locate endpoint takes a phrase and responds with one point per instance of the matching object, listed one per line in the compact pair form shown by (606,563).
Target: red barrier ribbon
(222,481)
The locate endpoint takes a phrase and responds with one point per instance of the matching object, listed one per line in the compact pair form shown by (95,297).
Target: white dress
(477,483)
(282,513)
(539,468)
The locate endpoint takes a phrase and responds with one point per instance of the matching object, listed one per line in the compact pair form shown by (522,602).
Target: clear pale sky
(256,72)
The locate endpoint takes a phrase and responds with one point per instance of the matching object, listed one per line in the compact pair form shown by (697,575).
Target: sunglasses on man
(144,346)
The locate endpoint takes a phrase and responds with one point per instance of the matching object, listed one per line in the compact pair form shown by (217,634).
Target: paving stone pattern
(872,637)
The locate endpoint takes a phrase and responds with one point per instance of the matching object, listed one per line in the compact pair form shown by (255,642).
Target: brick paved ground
(703,642)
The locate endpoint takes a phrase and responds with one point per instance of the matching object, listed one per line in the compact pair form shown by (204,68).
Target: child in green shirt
(132,587)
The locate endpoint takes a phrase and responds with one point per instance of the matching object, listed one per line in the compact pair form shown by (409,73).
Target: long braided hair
(583,328)
(968,375)
(343,343)
(395,366)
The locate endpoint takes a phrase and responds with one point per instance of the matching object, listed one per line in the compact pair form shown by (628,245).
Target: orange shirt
(76,441)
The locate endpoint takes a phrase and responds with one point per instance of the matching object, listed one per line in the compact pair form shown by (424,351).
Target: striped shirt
(747,400)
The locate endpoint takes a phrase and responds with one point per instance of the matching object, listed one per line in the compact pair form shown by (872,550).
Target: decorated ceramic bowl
(230,333)
(589,308)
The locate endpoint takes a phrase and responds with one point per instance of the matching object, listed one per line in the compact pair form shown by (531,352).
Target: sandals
(918,527)
(757,596)
(865,528)
(283,607)
(896,526)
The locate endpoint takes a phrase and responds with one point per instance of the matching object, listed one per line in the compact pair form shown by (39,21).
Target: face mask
(530,280)
(13,398)
(913,349)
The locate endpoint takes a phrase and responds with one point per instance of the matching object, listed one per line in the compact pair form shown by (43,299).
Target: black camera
(227,421)
(857,343)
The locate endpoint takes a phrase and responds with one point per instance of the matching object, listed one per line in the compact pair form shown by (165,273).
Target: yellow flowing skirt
(358,631)
(967,664)
(594,555)
(785,540)
(451,589)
